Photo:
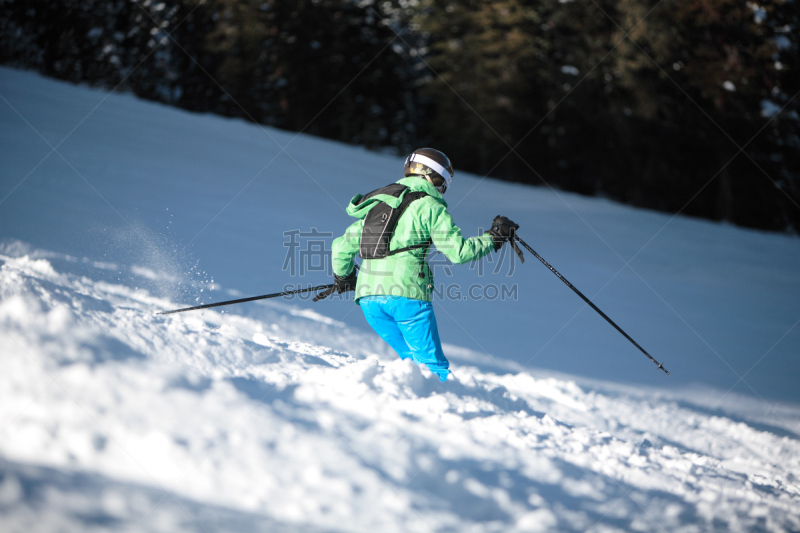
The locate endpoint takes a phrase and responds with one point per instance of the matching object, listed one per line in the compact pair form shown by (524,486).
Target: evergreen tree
(112,43)
(647,102)
(483,55)
(326,67)
(695,75)
(648,117)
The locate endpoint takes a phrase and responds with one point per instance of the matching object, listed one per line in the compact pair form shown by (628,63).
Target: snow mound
(114,418)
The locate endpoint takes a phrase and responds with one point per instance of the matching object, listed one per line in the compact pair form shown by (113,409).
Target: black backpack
(380,222)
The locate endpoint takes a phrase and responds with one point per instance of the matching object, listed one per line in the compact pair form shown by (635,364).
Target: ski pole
(331,289)
(585,299)
(252,298)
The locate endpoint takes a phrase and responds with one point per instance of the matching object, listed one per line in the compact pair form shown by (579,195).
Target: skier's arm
(448,239)
(344,249)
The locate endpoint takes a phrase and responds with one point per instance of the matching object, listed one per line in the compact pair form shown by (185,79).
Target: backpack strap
(394,189)
(407,199)
(380,223)
(412,247)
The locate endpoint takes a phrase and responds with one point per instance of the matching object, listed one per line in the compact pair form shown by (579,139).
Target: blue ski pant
(408,326)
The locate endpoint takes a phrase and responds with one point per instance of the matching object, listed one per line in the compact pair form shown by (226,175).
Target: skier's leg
(417,323)
(384,325)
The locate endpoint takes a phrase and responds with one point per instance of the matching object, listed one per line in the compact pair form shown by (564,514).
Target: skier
(396,225)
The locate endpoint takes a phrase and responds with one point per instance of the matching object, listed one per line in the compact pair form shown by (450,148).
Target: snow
(288,415)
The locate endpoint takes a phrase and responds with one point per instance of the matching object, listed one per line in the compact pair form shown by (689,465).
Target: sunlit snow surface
(205,421)
(284,416)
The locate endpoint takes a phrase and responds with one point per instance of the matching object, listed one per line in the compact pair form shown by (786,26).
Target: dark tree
(685,106)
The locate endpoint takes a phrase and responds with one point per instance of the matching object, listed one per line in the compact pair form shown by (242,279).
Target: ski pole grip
(324,294)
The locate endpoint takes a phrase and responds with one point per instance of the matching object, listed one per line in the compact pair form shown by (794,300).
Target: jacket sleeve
(448,239)
(344,249)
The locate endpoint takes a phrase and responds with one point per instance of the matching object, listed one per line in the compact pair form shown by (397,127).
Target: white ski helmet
(432,164)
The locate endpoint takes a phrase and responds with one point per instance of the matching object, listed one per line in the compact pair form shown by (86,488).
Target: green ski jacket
(406,273)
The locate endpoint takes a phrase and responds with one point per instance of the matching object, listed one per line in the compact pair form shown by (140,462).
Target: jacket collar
(415,183)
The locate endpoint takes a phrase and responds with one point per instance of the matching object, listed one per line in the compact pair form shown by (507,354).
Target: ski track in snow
(114,418)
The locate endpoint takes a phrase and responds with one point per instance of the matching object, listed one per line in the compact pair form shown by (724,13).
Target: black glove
(340,284)
(503,229)
(345,283)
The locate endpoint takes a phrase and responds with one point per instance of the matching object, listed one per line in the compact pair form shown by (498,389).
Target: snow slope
(292,416)
(211,413)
